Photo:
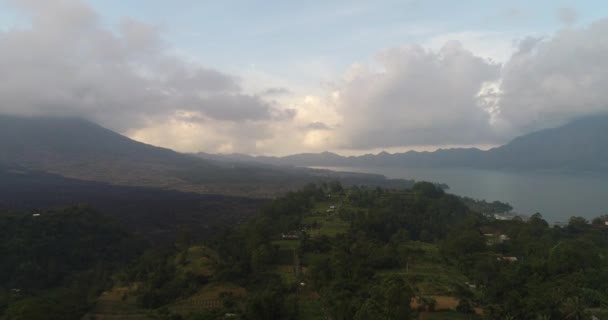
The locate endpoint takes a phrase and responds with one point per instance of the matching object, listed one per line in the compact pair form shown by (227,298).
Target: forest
(323,252)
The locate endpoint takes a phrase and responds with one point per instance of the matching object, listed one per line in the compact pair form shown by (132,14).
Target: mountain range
(581,145)
(79,149)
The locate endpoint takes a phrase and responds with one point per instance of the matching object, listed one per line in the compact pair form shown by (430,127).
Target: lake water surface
(556,196)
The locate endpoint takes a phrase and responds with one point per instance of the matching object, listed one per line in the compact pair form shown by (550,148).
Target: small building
(36,215)
(290,236)
(508,259)
(504,237)
(505,216)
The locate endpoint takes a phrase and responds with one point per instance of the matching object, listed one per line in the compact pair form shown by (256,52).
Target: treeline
(349,274)
(517,270)
(344,269)
(550,272)
(56,262)
(485,207)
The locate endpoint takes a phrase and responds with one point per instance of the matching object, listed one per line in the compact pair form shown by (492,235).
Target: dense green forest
(324,252)
(55,263)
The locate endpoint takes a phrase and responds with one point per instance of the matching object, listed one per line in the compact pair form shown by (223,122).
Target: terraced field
(115,304)
(425,269)
(208,298)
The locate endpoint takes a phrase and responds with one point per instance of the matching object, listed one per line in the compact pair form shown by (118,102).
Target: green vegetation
(57,262)
(485,207)
(324,252)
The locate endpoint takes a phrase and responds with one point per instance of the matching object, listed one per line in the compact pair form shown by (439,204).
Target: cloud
(275,91)
(484,88)
(416,97)
(318,126)
(67,63)
(551,81)
(488,45)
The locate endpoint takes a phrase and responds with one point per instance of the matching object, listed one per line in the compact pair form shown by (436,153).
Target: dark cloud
(67,63)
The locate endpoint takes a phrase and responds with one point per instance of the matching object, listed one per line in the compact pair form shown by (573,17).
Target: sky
(284,77)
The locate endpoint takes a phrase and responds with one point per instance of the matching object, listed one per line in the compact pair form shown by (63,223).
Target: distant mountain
(79,149)
(581,145)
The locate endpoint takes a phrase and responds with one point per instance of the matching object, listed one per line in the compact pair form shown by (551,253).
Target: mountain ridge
(79,149)
(581,145)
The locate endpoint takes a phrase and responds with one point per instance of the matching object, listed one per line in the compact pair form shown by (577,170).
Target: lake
(556,196)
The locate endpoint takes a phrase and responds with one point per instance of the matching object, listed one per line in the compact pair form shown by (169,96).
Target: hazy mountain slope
(581,145)
(80,149)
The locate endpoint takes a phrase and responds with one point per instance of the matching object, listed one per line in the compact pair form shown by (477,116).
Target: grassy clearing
(447,316)
(214,290)
(95,316)
(329,222)
(428,271)
(330,227)
(443,303)
(199,260)
(120,302)
(117,303)
(430,279)
(287,273)
(207,298)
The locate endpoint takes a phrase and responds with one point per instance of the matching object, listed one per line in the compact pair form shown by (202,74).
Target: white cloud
(494,46)
(417,97)
(482,89)
(555,80)
(67,63)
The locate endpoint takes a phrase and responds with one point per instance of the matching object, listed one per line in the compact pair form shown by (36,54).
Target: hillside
(328,252)
(154,213)
(79,149)
(581,145)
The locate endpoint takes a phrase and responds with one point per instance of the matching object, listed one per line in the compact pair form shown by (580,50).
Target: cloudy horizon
(347,77)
